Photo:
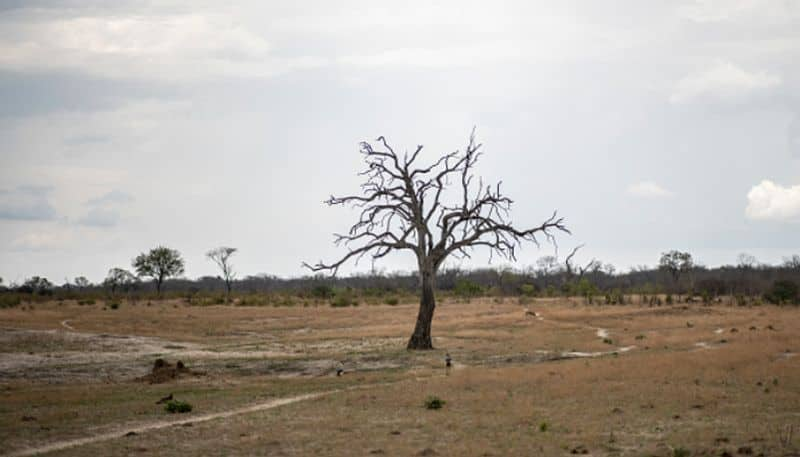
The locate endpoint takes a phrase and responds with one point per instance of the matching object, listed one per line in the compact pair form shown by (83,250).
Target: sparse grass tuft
(681,452)
(434,402)
(543,426)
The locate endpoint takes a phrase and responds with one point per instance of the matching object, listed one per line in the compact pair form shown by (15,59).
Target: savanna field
(528,377)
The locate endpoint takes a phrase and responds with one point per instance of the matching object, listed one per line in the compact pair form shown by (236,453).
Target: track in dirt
(61,445)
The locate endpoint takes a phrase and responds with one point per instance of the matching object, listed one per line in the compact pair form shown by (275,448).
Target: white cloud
(770,201)
(710,12)
(648,189)
(723,81)
(40,241)
(719,10)
(167,48)
(438,58)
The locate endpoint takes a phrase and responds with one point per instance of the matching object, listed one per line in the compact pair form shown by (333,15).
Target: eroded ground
(547,378)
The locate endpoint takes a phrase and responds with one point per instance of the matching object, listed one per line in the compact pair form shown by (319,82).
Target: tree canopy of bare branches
(403,208)
(221,256)
(579,271)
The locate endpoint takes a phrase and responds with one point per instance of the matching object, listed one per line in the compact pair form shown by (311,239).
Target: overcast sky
(649,125)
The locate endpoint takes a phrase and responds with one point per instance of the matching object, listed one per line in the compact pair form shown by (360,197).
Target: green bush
(323,291)
(114,305)
(434,402)
(466,288)
(392,301)
(177,406)
(10,300)
(528,290)
(343,299)
(783,292)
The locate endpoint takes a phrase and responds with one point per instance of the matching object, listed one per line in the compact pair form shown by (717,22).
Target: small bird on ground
(448,360)
(339,371)
(165,399)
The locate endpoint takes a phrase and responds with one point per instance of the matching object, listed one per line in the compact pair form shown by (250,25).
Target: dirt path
(60,445)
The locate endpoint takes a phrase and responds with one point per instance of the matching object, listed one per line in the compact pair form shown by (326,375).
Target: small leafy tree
(676,263)
(119,278)
(160,263)
(37,285)
(221,256)
(81,282)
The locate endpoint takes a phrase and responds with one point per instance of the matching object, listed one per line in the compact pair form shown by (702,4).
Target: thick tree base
(419,342)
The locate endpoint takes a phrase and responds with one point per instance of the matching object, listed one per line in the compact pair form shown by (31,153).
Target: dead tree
(580,271)
(403,208)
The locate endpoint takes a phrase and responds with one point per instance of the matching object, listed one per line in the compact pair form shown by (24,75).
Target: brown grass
(735,390)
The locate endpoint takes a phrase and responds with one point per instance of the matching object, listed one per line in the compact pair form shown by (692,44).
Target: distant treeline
(548,278)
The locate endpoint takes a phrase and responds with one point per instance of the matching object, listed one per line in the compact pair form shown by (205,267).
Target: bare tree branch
(401,203)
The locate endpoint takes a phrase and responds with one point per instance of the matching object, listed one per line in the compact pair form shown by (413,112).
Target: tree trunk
(421,338)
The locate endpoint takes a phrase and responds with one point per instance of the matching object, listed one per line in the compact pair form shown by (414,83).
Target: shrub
(528,290)
(543,426)
(114,305)
(434,402)
(323,291)
(782,292)
(343,299)
(9,301)
(177,406)
(392,301)
(681,452)
(466,288)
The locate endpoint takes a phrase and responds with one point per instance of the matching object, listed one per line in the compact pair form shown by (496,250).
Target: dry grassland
(574,379)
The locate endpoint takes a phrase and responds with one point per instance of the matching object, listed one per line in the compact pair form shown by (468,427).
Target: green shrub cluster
(783,292)
(466,289)
(9,300)
(177,406)
(344,298)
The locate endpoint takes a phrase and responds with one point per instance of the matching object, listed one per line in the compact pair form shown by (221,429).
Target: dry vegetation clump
(164,371)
